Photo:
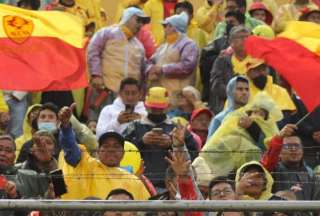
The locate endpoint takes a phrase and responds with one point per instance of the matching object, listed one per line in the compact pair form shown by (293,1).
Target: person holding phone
(125,109)
(152,136)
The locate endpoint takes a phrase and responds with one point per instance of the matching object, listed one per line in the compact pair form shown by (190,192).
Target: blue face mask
(48,126)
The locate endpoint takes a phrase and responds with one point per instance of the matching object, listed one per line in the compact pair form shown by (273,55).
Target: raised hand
(179,163)
(178,135)
(288,130)
(65,114)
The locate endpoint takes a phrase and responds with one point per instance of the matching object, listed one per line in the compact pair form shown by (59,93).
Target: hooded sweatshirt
(108,118)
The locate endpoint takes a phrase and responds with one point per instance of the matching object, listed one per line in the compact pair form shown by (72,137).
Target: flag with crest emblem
(41,50)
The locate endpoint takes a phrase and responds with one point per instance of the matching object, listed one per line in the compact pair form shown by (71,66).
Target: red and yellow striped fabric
(41,50)
(295,54)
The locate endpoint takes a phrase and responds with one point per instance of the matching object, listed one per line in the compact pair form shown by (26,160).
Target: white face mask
(48,126)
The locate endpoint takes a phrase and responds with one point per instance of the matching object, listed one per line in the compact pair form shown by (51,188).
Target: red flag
(317,2)
(41,50)
(297,64)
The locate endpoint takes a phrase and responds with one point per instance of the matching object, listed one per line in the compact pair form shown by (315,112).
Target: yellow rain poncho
(92,178)
(154,9)
(131,158)
(266,194)
(279,94)
(3,104)
(200,38)
(208,17)
(27,135)
(231,146)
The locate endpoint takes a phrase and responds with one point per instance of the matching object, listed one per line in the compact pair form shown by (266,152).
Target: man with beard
(151,135)
(237,96)
(259,80)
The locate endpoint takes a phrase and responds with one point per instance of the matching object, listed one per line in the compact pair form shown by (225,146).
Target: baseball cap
(157,97)
(199,111)
(250,167)
(133,11)
(253,63)
(110,134)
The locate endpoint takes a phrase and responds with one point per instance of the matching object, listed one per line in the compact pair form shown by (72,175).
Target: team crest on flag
(17,28)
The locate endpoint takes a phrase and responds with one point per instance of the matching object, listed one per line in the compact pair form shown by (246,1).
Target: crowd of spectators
(175,110)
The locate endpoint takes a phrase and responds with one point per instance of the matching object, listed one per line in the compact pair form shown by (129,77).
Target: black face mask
(157,118)
(210,2)
(260,82)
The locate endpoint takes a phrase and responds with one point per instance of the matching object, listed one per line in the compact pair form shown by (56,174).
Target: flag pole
(306,116)
(303,118)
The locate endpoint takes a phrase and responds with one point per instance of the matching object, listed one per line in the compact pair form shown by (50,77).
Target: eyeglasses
(6,149)
(226,191)
(292,146)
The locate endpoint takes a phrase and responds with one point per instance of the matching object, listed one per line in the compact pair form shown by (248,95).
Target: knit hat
(157,97)
(132,11)
(180,22)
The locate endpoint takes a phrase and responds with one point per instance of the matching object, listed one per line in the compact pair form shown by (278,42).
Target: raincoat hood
(27,128)
(266,194)
(260,6)
(264,101)
(180,22)
(230,91)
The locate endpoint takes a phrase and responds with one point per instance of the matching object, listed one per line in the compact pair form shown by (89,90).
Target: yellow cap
(253,63)
(264,31)
(157,97)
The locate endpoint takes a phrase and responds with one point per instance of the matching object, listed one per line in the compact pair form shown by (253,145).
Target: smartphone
(59,185)
(3,182)
(129,108)
(157,130)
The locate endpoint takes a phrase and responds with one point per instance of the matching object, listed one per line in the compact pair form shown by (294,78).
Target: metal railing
(172,205)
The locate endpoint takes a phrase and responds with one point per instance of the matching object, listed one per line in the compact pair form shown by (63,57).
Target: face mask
(47,126)
(260,81)
(210,2)
(157,118)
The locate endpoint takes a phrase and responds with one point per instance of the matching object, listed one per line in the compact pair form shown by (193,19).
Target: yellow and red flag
(295,54)
(41,50)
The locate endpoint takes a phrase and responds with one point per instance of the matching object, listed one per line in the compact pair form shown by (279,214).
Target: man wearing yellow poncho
(242,137)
